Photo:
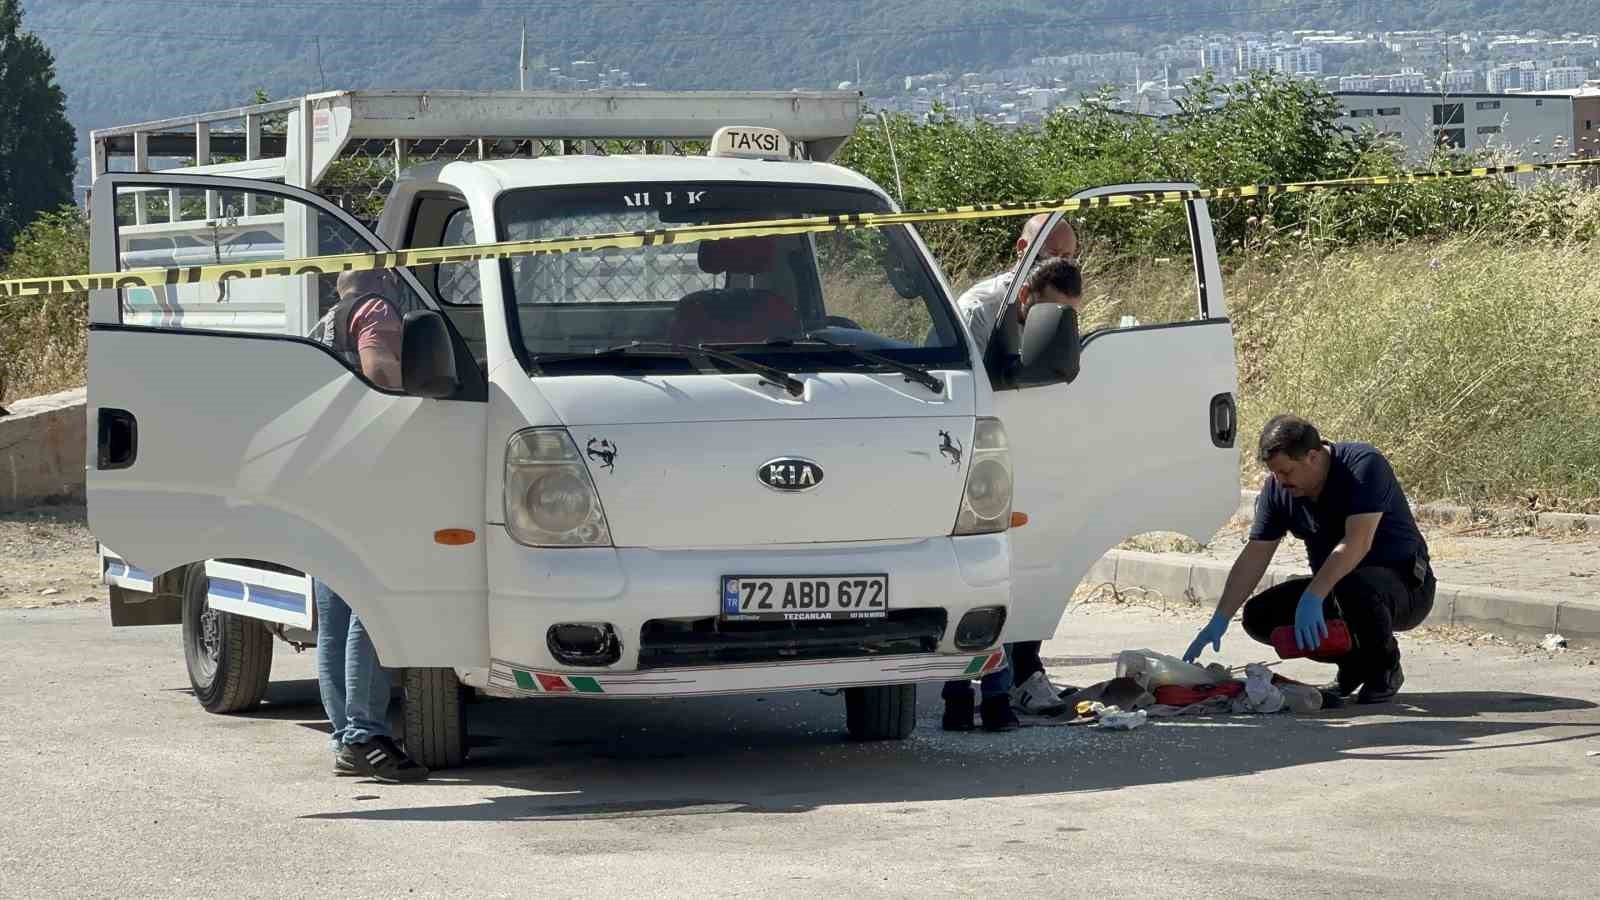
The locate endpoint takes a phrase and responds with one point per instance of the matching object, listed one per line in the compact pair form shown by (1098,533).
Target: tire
(435,723)
(229,656)
(886,713)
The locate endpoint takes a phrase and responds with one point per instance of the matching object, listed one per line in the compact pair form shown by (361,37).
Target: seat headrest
(742,256)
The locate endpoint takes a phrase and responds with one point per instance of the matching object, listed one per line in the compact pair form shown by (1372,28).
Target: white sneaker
(1037,696)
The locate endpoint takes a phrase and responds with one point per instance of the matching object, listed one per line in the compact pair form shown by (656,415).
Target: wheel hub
(210,635)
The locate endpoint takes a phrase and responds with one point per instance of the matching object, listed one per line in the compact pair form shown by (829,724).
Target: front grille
(669,643)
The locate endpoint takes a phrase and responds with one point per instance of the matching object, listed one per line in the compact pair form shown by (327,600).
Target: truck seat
(735,314)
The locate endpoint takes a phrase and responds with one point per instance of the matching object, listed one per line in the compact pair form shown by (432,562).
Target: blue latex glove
(1309,626)
(1211,634)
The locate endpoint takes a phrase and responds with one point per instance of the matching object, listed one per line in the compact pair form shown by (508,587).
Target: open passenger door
(221,430)
(1144,438)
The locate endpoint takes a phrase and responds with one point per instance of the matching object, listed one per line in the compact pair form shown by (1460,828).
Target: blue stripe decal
(277,599)
(225,589)
(116,568)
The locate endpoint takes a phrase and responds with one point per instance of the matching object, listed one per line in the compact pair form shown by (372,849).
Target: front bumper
(636,590)
(507,679)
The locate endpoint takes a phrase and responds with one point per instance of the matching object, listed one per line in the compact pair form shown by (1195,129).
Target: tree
(37,144)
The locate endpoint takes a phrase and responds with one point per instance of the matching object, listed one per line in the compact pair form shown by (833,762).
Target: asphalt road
(1478,783)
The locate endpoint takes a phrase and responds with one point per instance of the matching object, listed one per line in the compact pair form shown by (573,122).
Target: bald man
(981,303)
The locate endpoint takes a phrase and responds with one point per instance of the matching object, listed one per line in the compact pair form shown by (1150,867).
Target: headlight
(550,501)
(986,502)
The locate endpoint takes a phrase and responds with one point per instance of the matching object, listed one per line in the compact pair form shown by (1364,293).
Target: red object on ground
(1335,645)
(1182,695)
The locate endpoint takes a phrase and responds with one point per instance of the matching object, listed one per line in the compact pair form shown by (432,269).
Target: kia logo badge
(790,473)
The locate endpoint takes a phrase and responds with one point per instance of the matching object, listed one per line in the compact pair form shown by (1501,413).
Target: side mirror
(1046,352)
(427,360)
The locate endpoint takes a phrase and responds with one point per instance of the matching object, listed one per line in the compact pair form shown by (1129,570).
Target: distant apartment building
(1457,81)
(1297,60)
(1563,78)
(1527,125)
(1515,48)
(1252,56)
(1218,55)
(1405,81)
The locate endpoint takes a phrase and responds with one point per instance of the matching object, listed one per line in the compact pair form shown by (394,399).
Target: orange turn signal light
(1019,519)
(454,537)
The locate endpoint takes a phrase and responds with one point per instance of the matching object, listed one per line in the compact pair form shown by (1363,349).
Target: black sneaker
(344,764)
(379,758)
(958,713)
(997,715)
(1346,682)
(1383,687)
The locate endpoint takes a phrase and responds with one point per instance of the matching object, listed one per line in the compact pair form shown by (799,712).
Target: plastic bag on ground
(1153,670)
(1260,694)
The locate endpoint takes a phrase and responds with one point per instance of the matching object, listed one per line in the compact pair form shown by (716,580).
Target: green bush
(44,340)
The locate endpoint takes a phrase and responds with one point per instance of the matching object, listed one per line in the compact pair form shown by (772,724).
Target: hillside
(128,60)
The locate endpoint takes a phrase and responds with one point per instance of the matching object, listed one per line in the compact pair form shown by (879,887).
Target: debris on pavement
(1553,642)
(1113,719)
(1150,685)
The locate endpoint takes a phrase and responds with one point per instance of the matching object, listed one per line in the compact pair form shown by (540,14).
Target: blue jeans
(995,684)
(354,686)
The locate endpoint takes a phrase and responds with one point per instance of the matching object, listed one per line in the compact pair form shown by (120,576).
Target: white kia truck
(758,464)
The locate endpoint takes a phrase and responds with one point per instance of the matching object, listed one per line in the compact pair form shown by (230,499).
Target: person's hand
(1211,634)
(1309,626)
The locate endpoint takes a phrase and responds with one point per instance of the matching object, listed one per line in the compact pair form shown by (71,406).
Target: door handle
(118,439)
(1224,421)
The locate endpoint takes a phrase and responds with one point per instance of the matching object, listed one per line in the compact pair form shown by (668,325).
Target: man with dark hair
(1369,561)
(1022,681)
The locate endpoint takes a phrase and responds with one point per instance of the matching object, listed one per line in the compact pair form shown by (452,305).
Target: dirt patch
(47,558)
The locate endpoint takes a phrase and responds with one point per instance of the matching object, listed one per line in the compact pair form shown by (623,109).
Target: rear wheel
(229,656)
(435,730)
(881,713)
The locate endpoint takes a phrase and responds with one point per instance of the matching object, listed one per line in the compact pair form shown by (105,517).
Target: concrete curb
(1517,615)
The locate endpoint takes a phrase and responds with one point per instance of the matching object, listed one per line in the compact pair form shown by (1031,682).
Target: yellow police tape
(335,263)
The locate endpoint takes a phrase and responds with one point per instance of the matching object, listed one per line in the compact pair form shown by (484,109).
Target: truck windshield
(784,301)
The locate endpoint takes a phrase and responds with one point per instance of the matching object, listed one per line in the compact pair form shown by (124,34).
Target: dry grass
(43,346)
(1471,364)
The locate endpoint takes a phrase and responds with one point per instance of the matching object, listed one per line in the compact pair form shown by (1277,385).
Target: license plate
(800,598)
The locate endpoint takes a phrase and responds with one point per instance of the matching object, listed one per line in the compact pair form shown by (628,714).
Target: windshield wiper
(913,373)
(783,379)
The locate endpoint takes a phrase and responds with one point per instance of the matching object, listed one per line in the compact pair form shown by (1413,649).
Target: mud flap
(134,599)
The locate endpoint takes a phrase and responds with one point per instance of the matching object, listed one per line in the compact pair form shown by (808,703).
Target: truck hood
(678,460)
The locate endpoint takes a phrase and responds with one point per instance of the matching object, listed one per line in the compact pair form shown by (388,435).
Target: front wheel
(229,656)
(882,713)
(435,732)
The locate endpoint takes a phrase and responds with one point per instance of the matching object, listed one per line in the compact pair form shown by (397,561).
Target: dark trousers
(1374,601)
(1022,659)
(1025,660)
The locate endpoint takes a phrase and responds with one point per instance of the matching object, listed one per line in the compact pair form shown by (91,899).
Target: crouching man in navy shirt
(1370,562)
